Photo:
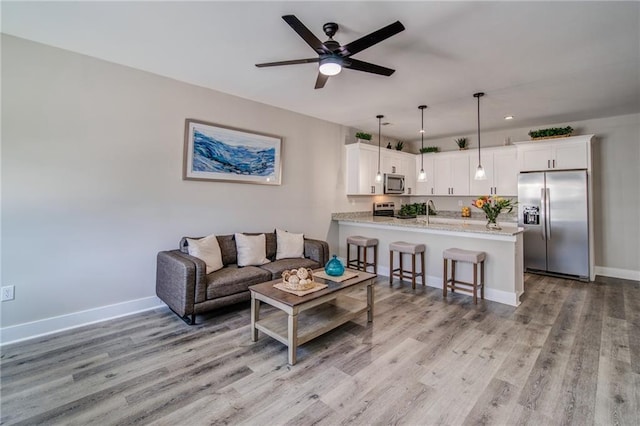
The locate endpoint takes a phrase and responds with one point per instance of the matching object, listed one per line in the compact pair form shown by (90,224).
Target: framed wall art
(218,153)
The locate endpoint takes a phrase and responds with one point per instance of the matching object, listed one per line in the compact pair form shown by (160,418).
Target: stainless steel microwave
(393,184)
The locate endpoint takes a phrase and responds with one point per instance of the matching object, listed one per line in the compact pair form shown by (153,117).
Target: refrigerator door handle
(547,214)
(543,213)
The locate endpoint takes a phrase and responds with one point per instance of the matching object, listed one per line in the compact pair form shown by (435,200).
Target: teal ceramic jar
(334,267)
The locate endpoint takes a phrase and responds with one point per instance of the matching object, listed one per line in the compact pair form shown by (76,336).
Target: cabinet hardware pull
(548,164)
(373,189)
(554,164)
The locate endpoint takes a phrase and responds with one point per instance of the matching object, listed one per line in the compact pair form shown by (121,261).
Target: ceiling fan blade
(306,35)
(371,39)
(292,62)
(321,80)
(357,65)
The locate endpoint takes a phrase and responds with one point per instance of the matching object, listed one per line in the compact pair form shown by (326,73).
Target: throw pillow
(208,250)
(252,249)
(289,245)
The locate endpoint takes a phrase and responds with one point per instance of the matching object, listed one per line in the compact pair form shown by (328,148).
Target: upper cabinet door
(534,158)
(571,155)
(505,172)
(442,174)
(556,154)
(460,174)
(362,166)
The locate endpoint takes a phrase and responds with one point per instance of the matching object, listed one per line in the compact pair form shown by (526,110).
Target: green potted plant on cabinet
(362,136)
(551,133)
(428,149)
(462,143)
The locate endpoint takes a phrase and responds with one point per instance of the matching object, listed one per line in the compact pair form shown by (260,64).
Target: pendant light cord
(379,117)
(478,96)
(422,107)
(479,162)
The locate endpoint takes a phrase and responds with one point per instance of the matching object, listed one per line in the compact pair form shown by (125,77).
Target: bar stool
(362,243)
(406,248)
(460,255)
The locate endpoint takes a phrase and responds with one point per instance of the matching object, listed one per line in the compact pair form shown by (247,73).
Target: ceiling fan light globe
(330,66)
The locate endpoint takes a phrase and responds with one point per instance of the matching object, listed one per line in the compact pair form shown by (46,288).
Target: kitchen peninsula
(504,279)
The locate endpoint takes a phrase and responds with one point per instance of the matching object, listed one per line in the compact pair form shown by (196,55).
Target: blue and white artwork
(219,153)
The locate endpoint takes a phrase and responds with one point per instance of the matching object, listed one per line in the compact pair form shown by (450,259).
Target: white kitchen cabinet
(397,162)
(427,187)
(400,163)
(451,173)
(501,167)
(555,154)
(362,166)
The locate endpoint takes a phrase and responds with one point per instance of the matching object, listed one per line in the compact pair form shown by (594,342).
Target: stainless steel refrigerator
(553,209)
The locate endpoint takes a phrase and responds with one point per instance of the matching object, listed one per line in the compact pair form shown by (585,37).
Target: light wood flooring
(569,354)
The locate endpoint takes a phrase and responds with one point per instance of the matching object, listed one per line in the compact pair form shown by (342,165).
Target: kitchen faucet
(430,205)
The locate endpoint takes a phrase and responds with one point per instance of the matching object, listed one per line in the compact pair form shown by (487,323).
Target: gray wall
(616,182)
(91,178)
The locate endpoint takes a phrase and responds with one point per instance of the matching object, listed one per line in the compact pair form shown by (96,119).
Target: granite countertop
(452,222)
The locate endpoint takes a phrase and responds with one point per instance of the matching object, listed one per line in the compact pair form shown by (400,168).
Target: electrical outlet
(460,204)
(7,293)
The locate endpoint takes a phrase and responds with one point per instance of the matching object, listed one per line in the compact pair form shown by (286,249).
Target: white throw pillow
(252,249)
(208,250)
(289,245)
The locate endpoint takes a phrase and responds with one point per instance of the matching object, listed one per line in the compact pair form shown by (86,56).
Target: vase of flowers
(492,207)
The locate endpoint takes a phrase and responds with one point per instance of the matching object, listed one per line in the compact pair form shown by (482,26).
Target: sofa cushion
(271,243)
(231,280)
(228,249)
(290,245)
(251,249)
(206,249)
(277,267)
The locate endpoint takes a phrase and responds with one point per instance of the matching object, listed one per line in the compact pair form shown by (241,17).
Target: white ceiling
(543,62)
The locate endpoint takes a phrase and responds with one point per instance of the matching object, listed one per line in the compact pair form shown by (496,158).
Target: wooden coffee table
(321,311)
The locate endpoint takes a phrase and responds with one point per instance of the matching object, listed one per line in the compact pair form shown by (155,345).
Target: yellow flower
(479,203)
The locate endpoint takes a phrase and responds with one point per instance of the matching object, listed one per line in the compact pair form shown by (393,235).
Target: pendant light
(422,176)
(480,175)
(379,175)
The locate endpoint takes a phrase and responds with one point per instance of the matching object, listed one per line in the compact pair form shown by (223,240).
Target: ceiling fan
(332,57)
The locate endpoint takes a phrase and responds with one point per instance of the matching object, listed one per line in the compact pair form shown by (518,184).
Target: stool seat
(453,283)
(362,241)
(362,244)
(409,248)
(412,249)
(462,255)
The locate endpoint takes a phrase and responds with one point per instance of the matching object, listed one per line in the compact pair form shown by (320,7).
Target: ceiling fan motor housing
(330,29)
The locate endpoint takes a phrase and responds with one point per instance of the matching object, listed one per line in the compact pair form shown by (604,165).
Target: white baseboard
(494,295)
(626,274)
(30,330)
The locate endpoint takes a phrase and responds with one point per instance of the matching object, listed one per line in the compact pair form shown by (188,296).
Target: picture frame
(213,152)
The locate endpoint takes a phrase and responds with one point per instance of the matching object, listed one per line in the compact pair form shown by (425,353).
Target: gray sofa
(183,284)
